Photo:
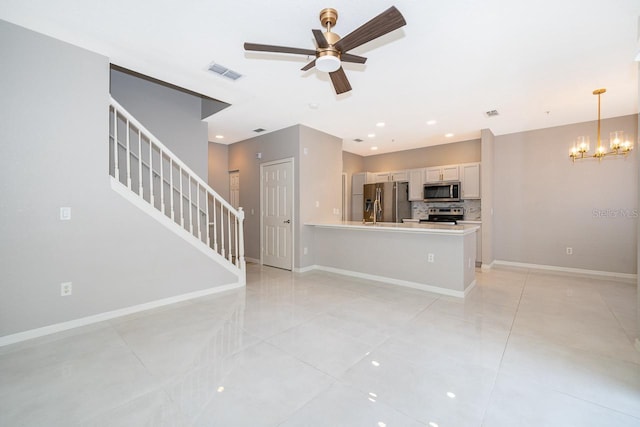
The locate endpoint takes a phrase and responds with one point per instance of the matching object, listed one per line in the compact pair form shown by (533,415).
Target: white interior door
(277,214)
(234,189)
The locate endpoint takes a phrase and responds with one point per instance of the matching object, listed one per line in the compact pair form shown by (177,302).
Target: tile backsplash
(419,210)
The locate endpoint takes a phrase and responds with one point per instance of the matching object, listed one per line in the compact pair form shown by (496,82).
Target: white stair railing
(146,167)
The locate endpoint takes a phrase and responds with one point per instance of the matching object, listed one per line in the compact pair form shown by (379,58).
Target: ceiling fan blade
(309,66)
(279,49)
(340,81)
(347,57)
(389,20)
(320,38)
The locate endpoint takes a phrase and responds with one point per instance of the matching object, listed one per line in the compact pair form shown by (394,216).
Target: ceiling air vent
(358,140)
(492,113)
(259,130)
(224,71)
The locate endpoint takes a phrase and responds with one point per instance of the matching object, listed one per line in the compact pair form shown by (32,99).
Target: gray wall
(544,203)
(218,165)
(55,153)
(487,194)
(317,177)
(276,145)
(320,186)
(436,155)
(171,115)
(352,163)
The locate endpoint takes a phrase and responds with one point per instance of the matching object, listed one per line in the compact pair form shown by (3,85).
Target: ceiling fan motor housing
(328,16)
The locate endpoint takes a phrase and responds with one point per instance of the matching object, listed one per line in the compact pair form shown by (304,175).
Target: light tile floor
(525,348)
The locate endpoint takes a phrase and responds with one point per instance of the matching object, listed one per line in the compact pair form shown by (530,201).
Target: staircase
(147,173)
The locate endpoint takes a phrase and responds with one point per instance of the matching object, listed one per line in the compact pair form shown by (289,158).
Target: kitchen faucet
(378,204)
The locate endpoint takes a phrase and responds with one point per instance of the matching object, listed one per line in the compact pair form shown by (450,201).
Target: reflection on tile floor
(525,348)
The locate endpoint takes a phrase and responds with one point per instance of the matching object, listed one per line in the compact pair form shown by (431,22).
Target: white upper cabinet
(416,184)
(391,176)
(381,176)
(399,176)
(470,180)
(443,173)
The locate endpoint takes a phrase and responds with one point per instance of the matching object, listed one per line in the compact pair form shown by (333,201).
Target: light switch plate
(65,213)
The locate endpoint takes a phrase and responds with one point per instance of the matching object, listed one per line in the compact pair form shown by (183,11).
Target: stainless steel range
(445,215)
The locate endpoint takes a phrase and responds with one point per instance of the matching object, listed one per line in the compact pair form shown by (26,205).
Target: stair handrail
(164,150)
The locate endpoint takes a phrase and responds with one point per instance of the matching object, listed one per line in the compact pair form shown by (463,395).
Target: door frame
(293,207)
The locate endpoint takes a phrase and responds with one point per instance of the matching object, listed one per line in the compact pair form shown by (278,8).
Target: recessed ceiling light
(448,135)
(372,135)
(313,106)
(380,124)
(431,122)
(219,136)
(374,149)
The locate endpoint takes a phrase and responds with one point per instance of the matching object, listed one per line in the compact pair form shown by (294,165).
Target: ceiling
(536,63)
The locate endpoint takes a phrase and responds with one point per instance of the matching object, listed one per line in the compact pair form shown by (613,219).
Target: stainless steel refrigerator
(394,201)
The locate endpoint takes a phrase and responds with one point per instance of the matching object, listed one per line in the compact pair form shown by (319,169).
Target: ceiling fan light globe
(328,63)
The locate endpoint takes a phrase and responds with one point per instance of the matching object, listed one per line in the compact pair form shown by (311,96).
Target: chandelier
(618,145)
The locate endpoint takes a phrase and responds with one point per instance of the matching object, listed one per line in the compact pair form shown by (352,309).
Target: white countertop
(425,228)
(469,221)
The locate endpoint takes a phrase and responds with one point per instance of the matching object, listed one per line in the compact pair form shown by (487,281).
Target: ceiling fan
(332,50)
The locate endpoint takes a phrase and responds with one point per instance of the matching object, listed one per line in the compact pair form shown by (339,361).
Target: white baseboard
(253,260)
(305,269)
(392,281)
(76,323)
(486,267)
(598,273)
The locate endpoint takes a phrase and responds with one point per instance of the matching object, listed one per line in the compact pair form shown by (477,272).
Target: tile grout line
(612,311)
(493,386)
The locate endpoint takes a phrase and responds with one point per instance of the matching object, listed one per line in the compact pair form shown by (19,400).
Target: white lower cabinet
(478,240)
(479,246)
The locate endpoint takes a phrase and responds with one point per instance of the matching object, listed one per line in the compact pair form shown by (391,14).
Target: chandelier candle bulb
(615,140)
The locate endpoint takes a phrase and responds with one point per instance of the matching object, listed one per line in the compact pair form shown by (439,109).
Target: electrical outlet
(66,289)
(430,258)
(569,251)
(305,251)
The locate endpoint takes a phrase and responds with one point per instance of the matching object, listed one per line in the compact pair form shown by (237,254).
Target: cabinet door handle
(287,221)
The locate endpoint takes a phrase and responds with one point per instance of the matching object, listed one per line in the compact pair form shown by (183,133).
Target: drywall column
(486,188)
(638,255)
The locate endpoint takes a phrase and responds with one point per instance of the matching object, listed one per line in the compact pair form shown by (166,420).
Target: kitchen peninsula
(432,257)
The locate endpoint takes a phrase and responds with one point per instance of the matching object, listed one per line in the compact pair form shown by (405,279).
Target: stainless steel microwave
(448,191)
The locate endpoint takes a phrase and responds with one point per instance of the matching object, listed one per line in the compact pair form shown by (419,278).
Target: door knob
(287,221)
